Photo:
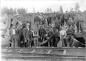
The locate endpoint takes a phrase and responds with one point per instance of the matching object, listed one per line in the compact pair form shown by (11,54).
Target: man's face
(13,27)
(56,30)
(28,25)
(41,27)
(70,19)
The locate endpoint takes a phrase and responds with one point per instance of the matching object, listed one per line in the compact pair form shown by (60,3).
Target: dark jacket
(27,34)
(42,32)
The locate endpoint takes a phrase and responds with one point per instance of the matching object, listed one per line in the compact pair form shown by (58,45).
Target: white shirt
(13,31)
(62,32)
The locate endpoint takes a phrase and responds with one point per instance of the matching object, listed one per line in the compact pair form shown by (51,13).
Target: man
(70,34)
(12,33)
(56,38)
(42,33)
(27,35)
(62,36)
(70,22)
(14,37)
(49,20)
(50,38)
(21,37)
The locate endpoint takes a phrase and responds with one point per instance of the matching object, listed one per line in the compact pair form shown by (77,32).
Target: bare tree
(61,9)
(21,11)
(48,10)
(8,15)
(77,7)
(8,12)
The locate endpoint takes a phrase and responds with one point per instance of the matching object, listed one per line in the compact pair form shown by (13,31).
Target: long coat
(21,37)
(27,34)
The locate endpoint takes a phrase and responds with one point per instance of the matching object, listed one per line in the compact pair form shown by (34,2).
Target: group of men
(61,35)
(57,37)
(21,36)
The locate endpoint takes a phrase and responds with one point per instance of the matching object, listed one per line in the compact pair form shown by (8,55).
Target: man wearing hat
(27,35)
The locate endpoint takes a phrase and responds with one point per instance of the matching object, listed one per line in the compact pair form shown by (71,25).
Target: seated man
(62,36)
(70,34)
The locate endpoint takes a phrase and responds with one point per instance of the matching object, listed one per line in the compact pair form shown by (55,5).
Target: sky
(41,5)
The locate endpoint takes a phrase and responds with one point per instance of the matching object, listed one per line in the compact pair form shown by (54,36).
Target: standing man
(14,37)
(27,35)
(42,33)
(56,37)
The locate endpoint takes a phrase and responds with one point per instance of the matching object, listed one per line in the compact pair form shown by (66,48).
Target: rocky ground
(43,54)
